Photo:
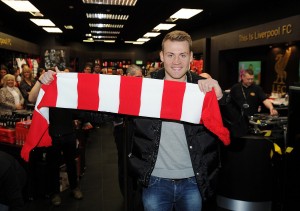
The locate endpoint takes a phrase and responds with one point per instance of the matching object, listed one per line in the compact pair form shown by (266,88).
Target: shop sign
(279,31)
(5,41)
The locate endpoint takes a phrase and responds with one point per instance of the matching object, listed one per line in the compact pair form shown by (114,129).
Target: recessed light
(42,22)
(52,29)
(21,6)
(151,34)
(185,13)
(164,26)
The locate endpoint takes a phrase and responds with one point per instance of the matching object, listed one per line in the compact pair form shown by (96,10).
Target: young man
(249,96)
(176,162)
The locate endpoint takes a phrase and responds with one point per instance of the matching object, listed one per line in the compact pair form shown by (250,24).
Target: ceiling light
(185,13)
(21,6)
(88,40)
(164,26)
(105,37)
(107,16)
(143,39)
(88,35)
(52,29)
(68,27)
(151,34)
(129,42)
(100,25)
(105,32)
(110,41)
(42,22)
(111,2)
(37,14)
(138,43)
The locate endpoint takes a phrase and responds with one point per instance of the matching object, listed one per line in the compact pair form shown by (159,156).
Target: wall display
(54,57)
(197,66)
(108,65)
(254,65)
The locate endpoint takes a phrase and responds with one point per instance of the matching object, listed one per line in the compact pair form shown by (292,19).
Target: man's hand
(207,85)
(47,77)
(273,112)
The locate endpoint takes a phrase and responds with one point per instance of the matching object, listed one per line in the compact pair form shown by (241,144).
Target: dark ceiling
(218,16)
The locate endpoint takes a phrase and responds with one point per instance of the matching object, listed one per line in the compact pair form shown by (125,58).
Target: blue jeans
(163,194)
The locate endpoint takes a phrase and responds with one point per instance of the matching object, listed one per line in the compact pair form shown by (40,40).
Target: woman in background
(3,72)
(10,96)
(26,83)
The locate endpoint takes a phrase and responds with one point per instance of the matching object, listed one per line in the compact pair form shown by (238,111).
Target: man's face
(3,73)
(176,58)
(97,69)
(247,79)
(87,70)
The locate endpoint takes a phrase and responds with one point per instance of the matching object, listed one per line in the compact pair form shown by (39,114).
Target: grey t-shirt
(173,159)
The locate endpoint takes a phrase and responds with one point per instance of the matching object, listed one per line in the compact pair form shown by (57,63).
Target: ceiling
(218,16)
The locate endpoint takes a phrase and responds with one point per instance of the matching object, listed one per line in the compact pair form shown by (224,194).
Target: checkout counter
(250,167)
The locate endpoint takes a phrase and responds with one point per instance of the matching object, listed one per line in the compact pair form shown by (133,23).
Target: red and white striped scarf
(124,95)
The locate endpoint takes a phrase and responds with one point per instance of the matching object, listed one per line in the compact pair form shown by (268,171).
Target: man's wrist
(40,81)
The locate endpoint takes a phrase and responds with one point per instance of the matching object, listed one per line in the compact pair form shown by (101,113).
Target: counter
(247,175)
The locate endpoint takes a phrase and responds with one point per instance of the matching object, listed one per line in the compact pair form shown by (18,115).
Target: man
(249,96)
(134,71)
(87,68)
(97,69)
(62,132)
(176,162)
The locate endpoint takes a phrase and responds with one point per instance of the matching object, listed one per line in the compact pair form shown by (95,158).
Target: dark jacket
(203,147)
(12,181)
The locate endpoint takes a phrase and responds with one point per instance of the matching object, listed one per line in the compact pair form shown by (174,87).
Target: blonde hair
(177,35)
(7,77)
(27,69)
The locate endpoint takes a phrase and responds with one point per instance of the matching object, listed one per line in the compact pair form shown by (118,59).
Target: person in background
(3,72)
(97,69)
(250,96)
(12,180)
(16,72)
(25,65)
(87,68)
(150,71)
(82,134)
(26,83)
(68,69)
(177,163)
(62,131)
(132,71)
(11,98)
(114,71)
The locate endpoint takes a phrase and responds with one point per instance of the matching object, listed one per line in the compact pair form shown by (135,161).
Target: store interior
(227,38)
